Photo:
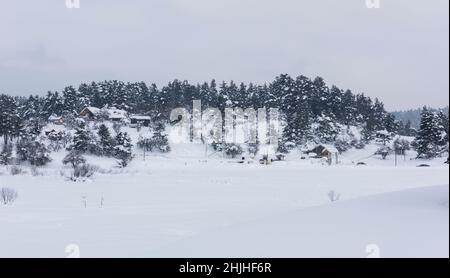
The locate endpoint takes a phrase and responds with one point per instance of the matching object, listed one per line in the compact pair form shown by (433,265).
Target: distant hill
(413,115)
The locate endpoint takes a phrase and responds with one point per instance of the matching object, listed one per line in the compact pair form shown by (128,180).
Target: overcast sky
(399,52)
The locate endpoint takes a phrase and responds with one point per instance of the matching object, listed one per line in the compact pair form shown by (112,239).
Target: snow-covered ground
(184,204)
(410,223)
(194,202)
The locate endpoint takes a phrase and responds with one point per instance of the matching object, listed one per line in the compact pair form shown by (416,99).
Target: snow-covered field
(182,204)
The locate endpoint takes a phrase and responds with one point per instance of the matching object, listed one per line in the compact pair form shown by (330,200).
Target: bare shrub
(16,170)
(7,196)
(333,196)
(35,171)
(81,172)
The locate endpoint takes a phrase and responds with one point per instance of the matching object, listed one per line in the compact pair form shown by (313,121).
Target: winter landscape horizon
(326,141)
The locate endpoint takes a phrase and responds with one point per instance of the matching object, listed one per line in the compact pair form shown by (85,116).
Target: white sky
(399,53)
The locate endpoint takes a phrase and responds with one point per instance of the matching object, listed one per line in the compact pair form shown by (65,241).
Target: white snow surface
(193,202)
(410,223)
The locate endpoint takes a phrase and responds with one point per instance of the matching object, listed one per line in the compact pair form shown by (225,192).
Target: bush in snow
(8,196)
(342,145)
(359,145)
(16,170)
(384,152)
(285,147)
(401,146)
(145,143)
(232,150)
(56,139)
(158,142)
(383,137)
(253,149)
(74,158)
(33,151)
(82,171)
(333,196)
(35,171)
(218,147)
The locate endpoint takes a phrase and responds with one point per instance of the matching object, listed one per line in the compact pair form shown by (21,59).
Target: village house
(57,120)
(140,120)
(111,114)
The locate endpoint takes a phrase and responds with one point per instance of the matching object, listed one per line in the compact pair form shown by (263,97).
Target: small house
(325,151)
(112,114)
(140,120)
(90,113)
(57,120)
(116,115)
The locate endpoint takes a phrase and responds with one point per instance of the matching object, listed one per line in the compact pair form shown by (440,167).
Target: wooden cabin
(325,151)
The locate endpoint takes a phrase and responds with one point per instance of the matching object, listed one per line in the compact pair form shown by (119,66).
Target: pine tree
(74,158)
(10,122)
(106,141)
(325,129)
(160,139)
(81,139)
(71,101)
(443,127)
(123,149)
(429,135)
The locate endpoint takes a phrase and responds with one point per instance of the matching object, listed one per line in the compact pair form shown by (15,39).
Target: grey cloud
(398,53)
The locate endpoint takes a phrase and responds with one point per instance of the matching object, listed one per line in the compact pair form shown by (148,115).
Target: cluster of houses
(320,151)
(109,114)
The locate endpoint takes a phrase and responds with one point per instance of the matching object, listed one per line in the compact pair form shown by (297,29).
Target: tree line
(310,109)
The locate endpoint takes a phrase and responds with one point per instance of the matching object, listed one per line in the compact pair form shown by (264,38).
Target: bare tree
(8,196)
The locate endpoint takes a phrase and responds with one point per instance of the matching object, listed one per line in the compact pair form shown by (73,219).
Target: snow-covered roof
(140,117)
(94,110)
(54,117)
(327,147)
(115,113)
(330,148)
(383,132)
